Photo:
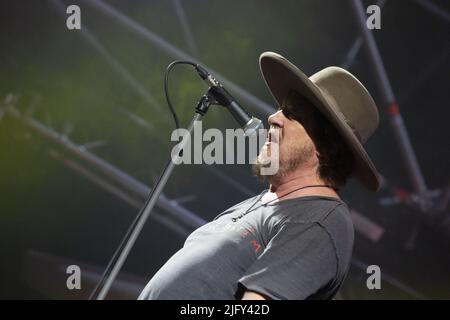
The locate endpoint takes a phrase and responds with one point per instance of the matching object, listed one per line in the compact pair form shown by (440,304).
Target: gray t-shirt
(294,249)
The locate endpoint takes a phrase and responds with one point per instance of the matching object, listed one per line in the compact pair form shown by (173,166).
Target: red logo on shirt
(256,245)
(247,232)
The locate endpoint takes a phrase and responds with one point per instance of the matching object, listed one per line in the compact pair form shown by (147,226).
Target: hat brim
(281,77)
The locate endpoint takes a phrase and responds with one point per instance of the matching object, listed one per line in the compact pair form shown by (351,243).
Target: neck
(300,179)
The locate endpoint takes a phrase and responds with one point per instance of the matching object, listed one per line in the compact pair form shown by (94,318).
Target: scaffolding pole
(115,64)
(179,213)
(396,120)
(185,27)
(123,195)
(357,44)
(182,219)
(255,103)
(434,9)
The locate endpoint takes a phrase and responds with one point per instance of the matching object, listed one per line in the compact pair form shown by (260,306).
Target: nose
(276,119)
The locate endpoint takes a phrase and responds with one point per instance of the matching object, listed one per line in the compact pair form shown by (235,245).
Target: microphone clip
(205,102)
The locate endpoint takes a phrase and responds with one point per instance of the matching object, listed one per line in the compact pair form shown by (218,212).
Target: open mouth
(272,136)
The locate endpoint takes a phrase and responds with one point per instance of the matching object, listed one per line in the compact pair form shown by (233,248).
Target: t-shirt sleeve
(297,262)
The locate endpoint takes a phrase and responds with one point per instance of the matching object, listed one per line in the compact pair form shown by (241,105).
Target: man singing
(294,240)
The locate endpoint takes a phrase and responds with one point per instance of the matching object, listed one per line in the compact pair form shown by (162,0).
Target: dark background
(105,84)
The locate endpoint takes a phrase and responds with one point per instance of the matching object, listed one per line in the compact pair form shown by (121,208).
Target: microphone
(249,124)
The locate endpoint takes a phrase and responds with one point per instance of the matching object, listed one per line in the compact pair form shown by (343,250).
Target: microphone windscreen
(253,126)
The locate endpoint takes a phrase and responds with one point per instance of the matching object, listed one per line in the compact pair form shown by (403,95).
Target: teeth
(272,135)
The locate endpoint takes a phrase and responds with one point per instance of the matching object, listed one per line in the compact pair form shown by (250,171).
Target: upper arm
(306,255)
(252,295)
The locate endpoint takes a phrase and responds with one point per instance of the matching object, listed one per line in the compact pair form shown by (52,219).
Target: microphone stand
(121,253)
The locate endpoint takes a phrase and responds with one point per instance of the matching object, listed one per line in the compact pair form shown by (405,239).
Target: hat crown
(339,96)
(350,100)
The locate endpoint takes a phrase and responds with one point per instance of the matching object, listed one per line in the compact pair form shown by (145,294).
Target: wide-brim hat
(339,96)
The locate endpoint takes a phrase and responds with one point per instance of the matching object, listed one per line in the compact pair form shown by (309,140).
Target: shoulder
(313,209)
(331,216)
(339,227)
(338,222)
(239,206)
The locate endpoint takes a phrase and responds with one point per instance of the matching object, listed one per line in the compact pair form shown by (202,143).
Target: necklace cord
(278,198)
